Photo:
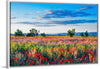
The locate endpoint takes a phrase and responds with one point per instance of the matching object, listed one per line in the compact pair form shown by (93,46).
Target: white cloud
(90,27)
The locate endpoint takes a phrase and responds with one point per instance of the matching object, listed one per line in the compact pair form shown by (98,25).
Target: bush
(71,32)
(19,33)
(82,34)
(33,32)
(86,33)
(43,34)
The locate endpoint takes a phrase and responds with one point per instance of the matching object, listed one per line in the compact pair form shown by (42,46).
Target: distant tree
(86,33)
(43,34)
(71,32)
(19,33)
(33,32)
(82,34)
(29,34)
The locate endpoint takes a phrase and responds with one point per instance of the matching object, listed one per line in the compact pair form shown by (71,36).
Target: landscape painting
(53,33)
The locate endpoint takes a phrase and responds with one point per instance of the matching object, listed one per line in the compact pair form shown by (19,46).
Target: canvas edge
(7,34)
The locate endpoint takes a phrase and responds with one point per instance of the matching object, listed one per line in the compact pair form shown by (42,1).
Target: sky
(53,18)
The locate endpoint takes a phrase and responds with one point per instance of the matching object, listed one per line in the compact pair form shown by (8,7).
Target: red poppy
(29,64)
(91,52)
(87,50)
(82,62)
(53,57)
(66,60)
(62,58)
(45,63)
(70,58)
(39,55)
(66,56)
(32,61)
(60,61)
(71,62)
(15,59)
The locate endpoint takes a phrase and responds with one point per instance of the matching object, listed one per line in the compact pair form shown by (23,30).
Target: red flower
(29,64)
(82,62)
(66,56)
(87,50)
(62,58)
(31,55)
(39,55)
(15,59)
(32,61)
(60,61)
(39,51)
(91,52)
(46,60)
(38,63)
(68,50)
(42,59)
(26,52)
(71,62)
(59,49)
(45,63)
(53,57)
(66,60)
(76,59)
(70,58)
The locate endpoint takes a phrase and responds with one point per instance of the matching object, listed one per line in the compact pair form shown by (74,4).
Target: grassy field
(52,50)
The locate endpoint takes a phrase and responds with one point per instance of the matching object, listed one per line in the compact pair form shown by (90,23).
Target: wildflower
(32,61)
(15,59)
(29,64)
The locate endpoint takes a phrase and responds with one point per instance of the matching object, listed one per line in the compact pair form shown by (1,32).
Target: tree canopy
(33,32)
(19,33)
(71,32)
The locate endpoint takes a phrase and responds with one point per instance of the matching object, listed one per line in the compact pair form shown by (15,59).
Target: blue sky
(53,18)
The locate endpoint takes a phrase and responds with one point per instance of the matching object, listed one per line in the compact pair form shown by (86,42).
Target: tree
(71,32)
(28,34)
(43,34)
(19,33)
(33,32)
(82,34)
(86,33)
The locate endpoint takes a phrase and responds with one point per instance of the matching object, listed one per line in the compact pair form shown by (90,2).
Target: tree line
(34,32)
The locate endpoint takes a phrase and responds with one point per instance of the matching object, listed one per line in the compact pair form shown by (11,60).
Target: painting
(53,33)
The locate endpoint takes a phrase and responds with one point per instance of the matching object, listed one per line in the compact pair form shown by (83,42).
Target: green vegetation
(86,33)
(71,32)
(33,32)
(19,33)
(82,34)
(43,34)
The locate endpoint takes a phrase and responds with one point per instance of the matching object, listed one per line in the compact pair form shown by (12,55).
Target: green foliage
(33,32)
(43,34)
(82,34)
(30,34)
(71,32)
(86,33)
(19,33)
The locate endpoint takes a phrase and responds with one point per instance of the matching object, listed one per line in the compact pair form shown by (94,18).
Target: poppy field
(51,50)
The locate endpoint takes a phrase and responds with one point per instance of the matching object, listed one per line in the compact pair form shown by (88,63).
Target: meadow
(38,50)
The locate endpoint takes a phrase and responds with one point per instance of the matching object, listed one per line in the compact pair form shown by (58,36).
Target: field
(50,50)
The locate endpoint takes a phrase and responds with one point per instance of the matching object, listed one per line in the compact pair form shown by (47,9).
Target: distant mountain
(65,34)
(76,34)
